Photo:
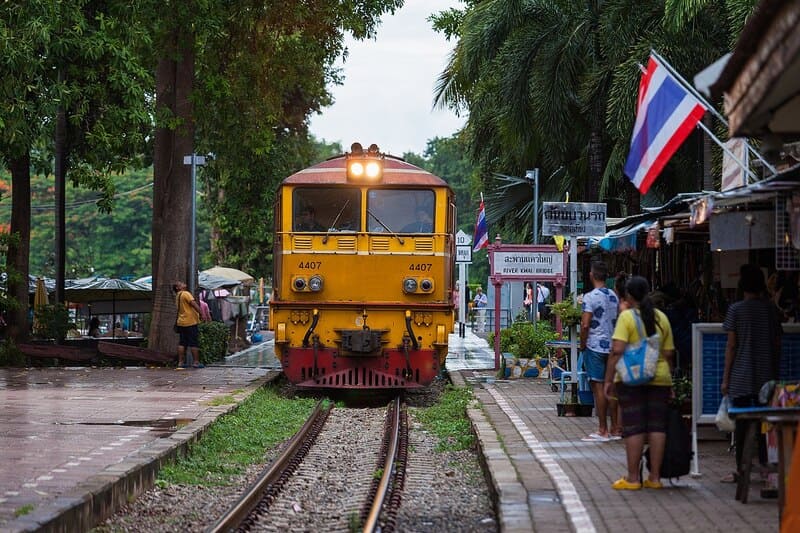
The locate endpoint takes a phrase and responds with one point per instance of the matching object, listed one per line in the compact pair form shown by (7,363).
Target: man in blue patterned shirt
(597,327)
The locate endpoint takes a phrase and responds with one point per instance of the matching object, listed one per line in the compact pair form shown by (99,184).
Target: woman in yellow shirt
(644,407)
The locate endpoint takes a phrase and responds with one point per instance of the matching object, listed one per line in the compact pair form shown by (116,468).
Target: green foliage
(525,339)
(239,439)
(567,311)
(114,244)
(52,322)
(213,340)
(22,511)
(10,354)
(448,420)
(552,85)
(682,385)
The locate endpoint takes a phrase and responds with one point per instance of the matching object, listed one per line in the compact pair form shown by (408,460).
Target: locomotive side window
(400,210)
(324,209)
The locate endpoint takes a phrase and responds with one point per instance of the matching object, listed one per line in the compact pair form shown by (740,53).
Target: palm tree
(552,84)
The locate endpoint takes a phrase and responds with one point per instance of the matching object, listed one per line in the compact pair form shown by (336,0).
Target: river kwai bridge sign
(546,263)
(573,219)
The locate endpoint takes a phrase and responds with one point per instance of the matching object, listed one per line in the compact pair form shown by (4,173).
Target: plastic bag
(723,420)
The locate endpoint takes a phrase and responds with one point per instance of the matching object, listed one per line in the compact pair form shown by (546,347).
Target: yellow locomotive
(363,273)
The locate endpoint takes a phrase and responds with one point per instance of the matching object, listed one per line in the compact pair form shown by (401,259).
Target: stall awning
(761,80)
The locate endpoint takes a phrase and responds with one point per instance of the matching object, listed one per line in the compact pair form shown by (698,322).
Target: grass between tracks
(448,420)
(239,439)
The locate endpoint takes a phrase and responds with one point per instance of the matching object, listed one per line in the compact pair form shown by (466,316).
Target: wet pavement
(78,443)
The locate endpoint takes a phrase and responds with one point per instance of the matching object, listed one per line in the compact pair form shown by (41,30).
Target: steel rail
(239,511)
(371,522)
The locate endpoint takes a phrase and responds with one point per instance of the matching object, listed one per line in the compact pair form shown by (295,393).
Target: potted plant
(567,311)
(682,385)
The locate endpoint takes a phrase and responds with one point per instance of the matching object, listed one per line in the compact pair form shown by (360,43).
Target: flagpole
(714,112)
(725,149)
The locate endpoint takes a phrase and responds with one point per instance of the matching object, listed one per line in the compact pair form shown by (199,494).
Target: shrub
(524,339)
(52,322)
(567,311)
(10,354)
(214,337)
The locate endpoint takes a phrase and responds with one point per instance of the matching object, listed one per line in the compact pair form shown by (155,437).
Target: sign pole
(573,286)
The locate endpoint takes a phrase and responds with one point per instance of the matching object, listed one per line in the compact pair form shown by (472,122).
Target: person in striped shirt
(752,353)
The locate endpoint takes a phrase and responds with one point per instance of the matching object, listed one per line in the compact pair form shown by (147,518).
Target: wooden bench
(133,353)
(49,351)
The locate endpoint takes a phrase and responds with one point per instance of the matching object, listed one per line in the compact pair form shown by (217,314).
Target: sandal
(652,484)
(624,484)
(733,477)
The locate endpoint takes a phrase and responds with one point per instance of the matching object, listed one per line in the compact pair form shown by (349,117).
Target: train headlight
(299,284)
(409,285)
(364,165)
(315,283)
(426,285)
(373,170)
(356,169)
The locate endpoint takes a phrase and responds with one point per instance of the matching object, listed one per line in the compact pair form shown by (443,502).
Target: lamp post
(533,177)
(195,161)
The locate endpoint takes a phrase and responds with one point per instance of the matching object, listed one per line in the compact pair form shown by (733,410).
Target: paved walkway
(76,442)
(547,479)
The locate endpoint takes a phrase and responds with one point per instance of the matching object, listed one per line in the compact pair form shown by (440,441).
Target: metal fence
(485,323)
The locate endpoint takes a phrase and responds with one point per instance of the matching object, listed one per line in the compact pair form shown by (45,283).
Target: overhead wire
(81,202)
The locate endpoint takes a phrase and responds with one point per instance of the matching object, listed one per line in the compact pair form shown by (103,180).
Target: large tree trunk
(172,188)
(17,260)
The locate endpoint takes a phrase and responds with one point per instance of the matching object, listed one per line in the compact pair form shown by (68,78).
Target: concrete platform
(76,442)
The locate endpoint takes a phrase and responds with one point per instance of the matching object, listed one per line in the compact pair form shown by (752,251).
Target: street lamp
(533,177)
(195,161)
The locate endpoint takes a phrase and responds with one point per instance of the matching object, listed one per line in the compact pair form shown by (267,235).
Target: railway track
(343,471)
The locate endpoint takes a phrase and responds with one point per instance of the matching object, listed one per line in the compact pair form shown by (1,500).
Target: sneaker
(199,365)
(624,484)
(184,365)
(652,484)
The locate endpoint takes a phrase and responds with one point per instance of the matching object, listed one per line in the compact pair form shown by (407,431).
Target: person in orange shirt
(186,325)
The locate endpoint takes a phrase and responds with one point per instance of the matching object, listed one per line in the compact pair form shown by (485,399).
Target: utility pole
(195,161)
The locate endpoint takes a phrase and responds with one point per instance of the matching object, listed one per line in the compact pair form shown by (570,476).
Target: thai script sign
(573,219)
(529,265)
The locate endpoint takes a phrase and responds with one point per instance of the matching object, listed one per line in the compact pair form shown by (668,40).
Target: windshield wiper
(379,221)
(335,220)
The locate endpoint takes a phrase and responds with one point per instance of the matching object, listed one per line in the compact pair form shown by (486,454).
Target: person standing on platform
(752,353)
(528,301)
(644,407)
(187,325)
(542,294)
(597,326)
(480,303)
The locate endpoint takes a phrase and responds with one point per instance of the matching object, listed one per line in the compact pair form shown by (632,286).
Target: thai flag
(481,231)
(666,114)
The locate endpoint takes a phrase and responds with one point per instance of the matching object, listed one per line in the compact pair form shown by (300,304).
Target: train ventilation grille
(423,245)
(347,243)
(361,377)
(380,244)
(302,243)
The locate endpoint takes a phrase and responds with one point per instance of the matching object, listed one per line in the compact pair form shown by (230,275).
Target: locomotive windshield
(326,209)
(400,210)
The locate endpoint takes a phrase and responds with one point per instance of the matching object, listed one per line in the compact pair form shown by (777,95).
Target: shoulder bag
(639,361)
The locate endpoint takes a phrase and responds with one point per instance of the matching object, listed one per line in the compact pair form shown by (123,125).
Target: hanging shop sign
(742,230)
(573,219)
